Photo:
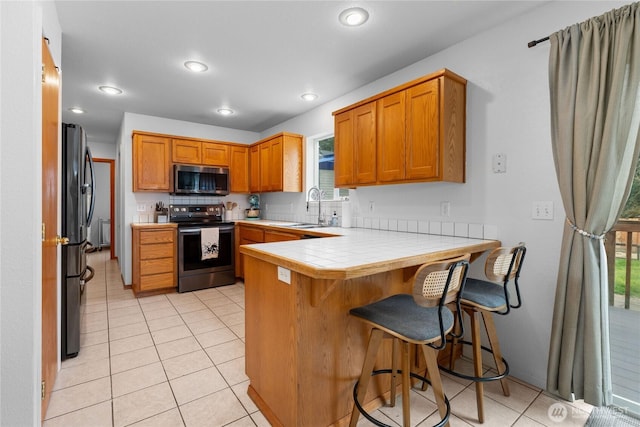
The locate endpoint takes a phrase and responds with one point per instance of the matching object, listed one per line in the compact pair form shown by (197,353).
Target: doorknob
(62,240)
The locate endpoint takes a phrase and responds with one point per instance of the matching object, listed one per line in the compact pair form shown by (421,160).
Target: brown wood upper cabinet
(239,168)
(412,133)
(151,163)
(199,152)
(276,164)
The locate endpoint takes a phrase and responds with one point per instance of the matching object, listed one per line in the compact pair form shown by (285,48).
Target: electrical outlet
(445,209)
(284,275)
(372,206)
(542,210)
(499,163)
(142,207)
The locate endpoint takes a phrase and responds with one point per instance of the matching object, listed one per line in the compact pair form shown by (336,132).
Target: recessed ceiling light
(225,111)
(196,67)
(353,16)
(76,110)
(110,90)
(309,96)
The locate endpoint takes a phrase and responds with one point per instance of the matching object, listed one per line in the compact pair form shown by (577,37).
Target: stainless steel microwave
(189,179)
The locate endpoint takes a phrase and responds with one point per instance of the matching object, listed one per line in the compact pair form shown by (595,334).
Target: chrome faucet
(315,191)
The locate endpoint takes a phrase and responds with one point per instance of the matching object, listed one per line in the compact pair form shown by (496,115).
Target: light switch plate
(284,275)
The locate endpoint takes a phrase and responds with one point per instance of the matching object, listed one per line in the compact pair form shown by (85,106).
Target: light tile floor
(178,360)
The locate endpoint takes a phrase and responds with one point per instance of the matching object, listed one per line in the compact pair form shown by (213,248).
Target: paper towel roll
(346,214)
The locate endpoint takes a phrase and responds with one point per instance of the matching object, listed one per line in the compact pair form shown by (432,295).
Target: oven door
(194,272)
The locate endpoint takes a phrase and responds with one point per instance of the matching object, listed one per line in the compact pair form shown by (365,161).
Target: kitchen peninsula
(303,350)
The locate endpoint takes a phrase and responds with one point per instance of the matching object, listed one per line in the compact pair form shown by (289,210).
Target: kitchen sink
(303,225)
(294,224)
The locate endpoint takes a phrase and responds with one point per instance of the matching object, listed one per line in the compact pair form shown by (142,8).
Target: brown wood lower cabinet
(247,235)
(154,258)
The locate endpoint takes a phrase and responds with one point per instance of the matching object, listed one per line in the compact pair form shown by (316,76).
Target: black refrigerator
(77,209)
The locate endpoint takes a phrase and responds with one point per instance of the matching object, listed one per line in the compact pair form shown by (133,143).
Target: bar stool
(423,319)
(482,298)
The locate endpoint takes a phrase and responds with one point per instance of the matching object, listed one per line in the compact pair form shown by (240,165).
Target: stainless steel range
(205,256)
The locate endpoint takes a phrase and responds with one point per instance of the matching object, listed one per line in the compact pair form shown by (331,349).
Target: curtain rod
(535,42)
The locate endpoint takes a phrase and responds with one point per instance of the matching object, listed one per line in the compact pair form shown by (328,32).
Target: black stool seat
(399,315)
(481,293)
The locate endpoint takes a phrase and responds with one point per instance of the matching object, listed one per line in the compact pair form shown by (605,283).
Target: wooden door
(344,162)
(391,137)
(239,169)
(423,130)
(254,169)
(364,122)
(50,261)
(151,163)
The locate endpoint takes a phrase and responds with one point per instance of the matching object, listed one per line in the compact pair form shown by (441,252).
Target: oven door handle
(196,230)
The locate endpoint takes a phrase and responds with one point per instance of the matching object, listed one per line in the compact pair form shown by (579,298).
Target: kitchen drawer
(160,250)
(156,236)
(253,234)
(157,281)
(155,266)
(279,236)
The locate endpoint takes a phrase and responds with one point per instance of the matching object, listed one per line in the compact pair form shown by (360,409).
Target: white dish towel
(209,240)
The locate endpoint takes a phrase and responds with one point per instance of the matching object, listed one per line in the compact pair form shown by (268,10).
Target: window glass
(324,178)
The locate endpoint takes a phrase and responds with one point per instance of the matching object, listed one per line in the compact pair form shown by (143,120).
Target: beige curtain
(594,70)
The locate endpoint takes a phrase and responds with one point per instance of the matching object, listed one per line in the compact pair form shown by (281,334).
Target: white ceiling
(262,55)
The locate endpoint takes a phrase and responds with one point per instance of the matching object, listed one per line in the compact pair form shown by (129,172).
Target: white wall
(22,24)
(508,112)
(127,199)
(102,150)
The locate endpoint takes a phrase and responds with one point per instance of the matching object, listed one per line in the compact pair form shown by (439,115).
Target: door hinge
(43,79)
(44,234)
(42,389)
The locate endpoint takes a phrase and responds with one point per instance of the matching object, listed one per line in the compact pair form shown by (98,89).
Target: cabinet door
(391,137)
(254,169)
(343,150)
(151,163)
(364,123)
(239,169)
(215,154)
(423,130)
(275,164)
(185,151)
(265,166)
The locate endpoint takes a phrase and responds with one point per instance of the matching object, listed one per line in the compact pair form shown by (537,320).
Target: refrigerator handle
(92,185)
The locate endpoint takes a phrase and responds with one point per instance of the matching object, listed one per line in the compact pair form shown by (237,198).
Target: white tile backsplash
(447,229)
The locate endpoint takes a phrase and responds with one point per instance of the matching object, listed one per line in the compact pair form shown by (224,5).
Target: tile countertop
(355,252)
